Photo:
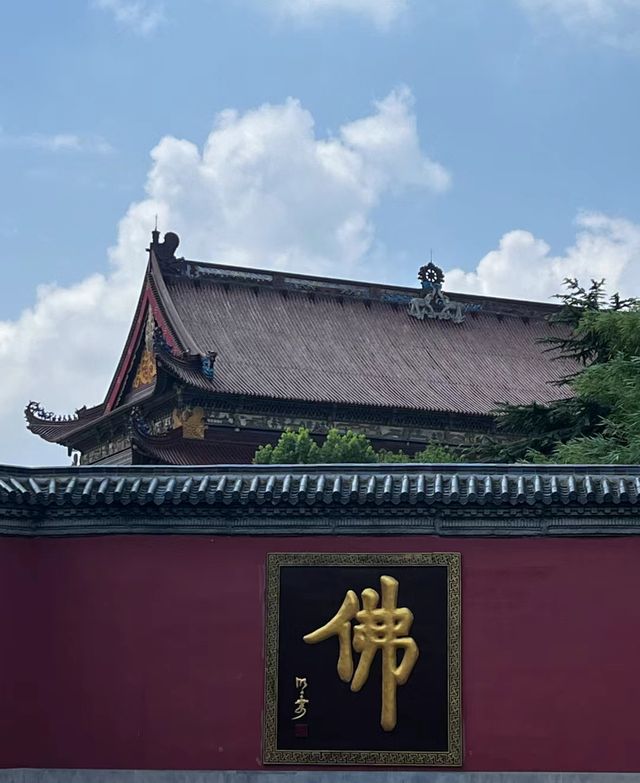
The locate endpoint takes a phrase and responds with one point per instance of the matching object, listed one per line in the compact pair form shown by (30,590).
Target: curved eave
(62,430)
(70,433)
(170,368)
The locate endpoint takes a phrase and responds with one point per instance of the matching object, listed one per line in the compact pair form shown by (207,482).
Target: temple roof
(290,337)
(329,341)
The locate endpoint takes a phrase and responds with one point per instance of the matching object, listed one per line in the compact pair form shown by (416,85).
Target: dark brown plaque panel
(312,714)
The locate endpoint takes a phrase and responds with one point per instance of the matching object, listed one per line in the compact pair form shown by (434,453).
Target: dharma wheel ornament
(430,273)
(432,303)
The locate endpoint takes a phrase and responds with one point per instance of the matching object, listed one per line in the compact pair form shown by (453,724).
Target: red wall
(147,652)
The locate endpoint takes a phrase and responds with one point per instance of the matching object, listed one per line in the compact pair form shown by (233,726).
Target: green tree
(292,448)
(298,447)
(616,385)
(523,429)
(434,453)
(601,423)
(347,447)
(583,340)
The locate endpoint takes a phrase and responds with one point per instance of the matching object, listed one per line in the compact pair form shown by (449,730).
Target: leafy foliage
(602,422)
(293,448)
(616,384)
(582,341)
(434,453)
(296,447)
(539,428)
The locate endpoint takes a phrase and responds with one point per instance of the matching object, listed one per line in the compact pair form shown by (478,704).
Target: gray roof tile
(504,497)
(321,347)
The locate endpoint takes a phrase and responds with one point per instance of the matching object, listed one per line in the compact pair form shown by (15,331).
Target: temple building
(220,360)
(343,623)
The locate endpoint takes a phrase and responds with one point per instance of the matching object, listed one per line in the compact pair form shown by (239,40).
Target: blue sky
(346,137)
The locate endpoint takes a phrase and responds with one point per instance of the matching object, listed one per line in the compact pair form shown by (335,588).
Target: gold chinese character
(300,703)
(384,628)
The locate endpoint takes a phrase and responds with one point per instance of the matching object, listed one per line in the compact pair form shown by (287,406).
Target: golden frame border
(271,754)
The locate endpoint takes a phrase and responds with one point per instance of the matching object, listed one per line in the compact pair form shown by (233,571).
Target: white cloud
(380,12)
(141,16)
(57,142)
(614,22)
(523,267)
(265,189)
(60,350)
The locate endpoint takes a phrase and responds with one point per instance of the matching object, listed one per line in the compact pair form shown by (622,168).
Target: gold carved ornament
(192,421)
(146,371)
(383,628)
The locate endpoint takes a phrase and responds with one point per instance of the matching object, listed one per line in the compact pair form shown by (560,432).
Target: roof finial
(166,251)
(432,302)
(155,234)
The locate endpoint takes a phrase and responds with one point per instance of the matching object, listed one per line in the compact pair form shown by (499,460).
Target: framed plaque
(363,659)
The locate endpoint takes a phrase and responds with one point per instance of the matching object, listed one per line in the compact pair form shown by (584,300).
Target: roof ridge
(176,323)
(366,288)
